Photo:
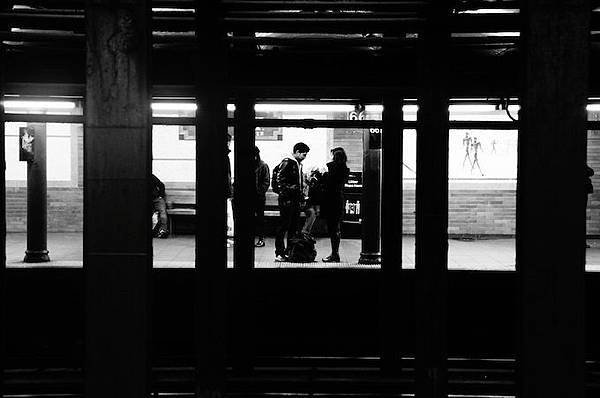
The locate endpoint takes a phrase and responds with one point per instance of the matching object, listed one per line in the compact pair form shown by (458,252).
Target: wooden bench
(181,204)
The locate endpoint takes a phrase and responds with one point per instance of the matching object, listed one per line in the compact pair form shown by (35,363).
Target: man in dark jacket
(263,180)
(290,183)
(159,205)
(229,193)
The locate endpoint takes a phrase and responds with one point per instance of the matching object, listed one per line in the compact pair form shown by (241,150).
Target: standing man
(229,194)
(159,205)
(290,186)
(263,180)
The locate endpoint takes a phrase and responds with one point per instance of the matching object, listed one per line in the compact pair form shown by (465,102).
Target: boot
(335,248)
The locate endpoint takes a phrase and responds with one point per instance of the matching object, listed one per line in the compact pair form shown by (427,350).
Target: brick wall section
(65,209)
(470,211)
(593,208)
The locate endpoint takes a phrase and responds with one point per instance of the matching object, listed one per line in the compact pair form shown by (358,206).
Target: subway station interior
(469,260)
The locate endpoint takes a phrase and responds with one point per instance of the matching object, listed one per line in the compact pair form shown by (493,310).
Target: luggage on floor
(302,249)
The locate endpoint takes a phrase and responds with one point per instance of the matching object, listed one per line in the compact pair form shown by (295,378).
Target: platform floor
(66,250)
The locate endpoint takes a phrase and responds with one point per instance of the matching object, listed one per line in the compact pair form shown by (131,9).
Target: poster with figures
(26,142)
(482,154)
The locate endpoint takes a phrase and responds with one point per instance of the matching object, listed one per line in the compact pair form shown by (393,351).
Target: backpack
(274,175)
(302,249)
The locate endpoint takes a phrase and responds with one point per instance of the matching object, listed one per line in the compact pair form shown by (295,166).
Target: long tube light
(491,11)
(303,108)
(39,104)
(173,106)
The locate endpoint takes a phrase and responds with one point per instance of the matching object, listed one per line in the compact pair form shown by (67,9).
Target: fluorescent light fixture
(374,108)
(159,9)
(487,34)
(173,106)
(593,107)
(492,11)
(503,34)
(410,108)
(472,108)
(303,108)
(39,104)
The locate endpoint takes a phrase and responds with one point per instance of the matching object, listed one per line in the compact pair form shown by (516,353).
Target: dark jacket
(158,188)
(589,188)
(335,178)
(263,178)
(228,186)
(316,188)
(288,180)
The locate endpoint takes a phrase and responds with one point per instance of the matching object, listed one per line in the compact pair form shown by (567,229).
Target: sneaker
(280,259)
(260,243)
(332,259)
(162,234)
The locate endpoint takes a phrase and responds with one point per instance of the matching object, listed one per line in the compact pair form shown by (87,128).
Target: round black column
(37,251)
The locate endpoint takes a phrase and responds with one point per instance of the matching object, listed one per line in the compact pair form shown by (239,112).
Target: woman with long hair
(335,178)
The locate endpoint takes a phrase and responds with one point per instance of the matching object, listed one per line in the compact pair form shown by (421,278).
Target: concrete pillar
(370,209)
(432,206)
(117,243)
(551,198)
(37,209)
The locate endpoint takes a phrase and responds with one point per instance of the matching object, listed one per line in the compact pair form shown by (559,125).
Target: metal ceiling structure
(281,42)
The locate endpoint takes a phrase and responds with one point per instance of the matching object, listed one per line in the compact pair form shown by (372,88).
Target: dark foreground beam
(432,208)
(244,205)
(211,186)
(2,222)
(117,156)
(391,237)
(551,197)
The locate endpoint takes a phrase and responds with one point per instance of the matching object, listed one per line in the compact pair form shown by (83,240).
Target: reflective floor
(66,250)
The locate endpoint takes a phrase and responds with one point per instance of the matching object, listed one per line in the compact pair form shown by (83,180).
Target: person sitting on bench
(159,205)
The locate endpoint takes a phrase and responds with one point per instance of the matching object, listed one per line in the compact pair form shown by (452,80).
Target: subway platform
(497,254)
